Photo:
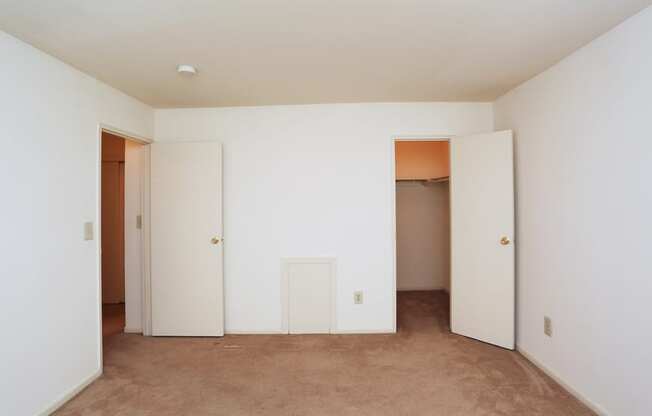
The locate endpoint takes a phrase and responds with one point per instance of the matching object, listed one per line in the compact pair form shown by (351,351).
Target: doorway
(454,219)
(121,221)
(422,171)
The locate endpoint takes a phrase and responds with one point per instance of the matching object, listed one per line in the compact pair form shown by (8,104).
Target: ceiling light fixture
(185,69)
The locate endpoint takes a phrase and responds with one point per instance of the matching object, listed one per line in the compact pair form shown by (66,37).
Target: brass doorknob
(215,240)
(505,240)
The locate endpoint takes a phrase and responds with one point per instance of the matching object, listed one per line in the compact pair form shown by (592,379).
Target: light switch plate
(547,326)
(357,297)
(88,231)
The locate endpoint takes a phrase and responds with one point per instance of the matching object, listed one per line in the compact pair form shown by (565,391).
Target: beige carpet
(422,370)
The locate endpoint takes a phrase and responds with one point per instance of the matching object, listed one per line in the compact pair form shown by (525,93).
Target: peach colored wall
(421,159)
(113,148)
(113,238)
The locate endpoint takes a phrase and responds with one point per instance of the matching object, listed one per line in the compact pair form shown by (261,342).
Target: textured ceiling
(258,52)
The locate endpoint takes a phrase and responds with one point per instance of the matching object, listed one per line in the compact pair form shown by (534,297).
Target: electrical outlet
(547,326)
(357,297)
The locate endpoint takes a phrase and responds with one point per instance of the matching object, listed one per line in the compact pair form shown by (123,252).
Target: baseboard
(133,330)
(72,393)
(585,400)
(334,332)
(239,332)
(362,331)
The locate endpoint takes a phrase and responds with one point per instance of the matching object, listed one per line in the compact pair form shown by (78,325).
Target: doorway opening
(454,218)
(121,224)
(422,171)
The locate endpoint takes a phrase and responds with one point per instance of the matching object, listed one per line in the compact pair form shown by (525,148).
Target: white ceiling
(257,52)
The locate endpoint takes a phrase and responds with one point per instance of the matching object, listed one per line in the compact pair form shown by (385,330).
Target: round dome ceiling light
(184,69)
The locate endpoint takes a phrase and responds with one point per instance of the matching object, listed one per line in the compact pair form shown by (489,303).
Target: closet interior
(422,229)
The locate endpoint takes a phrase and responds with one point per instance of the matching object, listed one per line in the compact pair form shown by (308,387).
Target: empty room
(417,207)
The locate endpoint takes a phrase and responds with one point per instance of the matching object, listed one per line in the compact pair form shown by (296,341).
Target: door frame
(145,236)
(392,161)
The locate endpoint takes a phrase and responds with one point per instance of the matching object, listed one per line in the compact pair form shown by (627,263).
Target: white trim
(572,390)
(98,246)
(220,195)
(72,393)
(132,330)
(392,186)
(285,262)
(285,324)
(336,332)
(363,331)
(125,134)
(146,295)
(421,288)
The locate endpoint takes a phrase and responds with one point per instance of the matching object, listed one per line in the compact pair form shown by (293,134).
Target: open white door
(482,230)
(186,228)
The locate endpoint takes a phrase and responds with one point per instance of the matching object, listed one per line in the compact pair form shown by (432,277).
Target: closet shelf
(426,181)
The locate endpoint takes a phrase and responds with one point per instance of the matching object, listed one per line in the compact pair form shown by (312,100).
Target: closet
(454,236)
(422,215)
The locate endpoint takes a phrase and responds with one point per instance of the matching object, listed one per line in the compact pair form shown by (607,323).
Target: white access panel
(307,292)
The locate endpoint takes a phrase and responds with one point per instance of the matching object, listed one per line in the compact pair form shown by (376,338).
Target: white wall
(584,163)
(49,116)
(312,181)
(422,236)
(133,243)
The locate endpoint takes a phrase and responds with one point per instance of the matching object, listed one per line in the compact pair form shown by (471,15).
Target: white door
(482,230)
(186,253)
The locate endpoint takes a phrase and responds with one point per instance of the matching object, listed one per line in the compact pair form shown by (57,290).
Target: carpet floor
(421,370)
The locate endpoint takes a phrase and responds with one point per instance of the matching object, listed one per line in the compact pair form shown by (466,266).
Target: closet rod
(426,181)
